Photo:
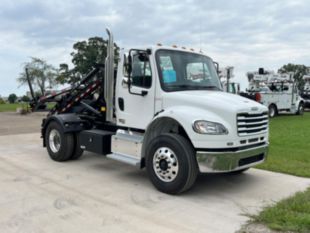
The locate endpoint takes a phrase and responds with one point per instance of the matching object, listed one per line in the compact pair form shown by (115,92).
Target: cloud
(244,34)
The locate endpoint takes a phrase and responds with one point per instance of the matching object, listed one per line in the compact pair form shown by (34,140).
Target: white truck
(162,109)
(226,76)
(306,91)
(276,91)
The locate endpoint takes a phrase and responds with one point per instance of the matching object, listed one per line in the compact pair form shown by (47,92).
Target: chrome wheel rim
(165,164)
(54,140)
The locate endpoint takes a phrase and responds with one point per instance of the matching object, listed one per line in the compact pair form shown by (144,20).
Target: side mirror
(125,82)
(217,67)
(129,65)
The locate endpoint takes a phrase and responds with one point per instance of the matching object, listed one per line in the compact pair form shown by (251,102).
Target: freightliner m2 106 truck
(163,109)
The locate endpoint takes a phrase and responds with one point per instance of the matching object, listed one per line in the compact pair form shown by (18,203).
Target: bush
(25,99)
(2,101)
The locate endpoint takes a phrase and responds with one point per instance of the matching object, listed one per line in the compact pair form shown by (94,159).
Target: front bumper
(228,161)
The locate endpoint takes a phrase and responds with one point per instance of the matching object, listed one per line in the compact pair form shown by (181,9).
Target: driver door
(135,99)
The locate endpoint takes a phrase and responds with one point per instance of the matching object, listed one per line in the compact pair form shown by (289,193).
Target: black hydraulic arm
(77,93)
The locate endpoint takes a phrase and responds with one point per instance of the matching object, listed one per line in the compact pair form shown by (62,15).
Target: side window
(197,72)
(141,71)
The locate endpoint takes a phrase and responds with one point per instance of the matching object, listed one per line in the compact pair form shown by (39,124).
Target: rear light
(258,97)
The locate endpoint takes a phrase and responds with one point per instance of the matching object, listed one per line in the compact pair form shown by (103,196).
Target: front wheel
(171,163)
(300,110)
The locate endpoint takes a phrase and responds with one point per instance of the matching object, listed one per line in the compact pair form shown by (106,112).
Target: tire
(238,172)
(77,152)
(171,163)
(272,111)
(59,145)
(300,110)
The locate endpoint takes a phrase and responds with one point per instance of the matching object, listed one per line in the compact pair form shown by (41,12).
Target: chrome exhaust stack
(109,78)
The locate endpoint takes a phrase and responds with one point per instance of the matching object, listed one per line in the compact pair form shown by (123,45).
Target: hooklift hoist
(163,108)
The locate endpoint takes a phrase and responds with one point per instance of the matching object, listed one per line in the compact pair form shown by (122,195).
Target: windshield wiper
(213,87)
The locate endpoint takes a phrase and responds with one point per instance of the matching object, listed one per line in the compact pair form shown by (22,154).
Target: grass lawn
(10,107)
(289,150)
(292,214)
(289,153)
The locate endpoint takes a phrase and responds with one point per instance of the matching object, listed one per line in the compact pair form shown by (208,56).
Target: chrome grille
(249,124)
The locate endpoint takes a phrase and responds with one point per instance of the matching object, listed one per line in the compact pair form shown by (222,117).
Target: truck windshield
(182,71)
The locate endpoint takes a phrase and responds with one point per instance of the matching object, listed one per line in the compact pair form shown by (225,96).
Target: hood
(216,101)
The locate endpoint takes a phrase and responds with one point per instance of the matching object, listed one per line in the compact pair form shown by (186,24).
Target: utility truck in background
(226,76)
(276,91)
(306,91)
(160,108)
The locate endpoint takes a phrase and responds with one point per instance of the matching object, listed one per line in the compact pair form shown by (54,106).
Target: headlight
(208,127)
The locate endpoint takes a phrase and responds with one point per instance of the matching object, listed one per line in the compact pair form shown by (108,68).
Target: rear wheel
(272,111)
(171,163)
(60,145)
(300,110)
(77,152)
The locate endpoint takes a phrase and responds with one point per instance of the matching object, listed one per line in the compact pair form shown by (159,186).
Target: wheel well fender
(69,123)
(160,126)
(273,104)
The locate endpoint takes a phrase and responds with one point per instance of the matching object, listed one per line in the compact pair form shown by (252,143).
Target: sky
(246,34)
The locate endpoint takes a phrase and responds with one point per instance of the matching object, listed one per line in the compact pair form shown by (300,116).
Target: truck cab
(164,110)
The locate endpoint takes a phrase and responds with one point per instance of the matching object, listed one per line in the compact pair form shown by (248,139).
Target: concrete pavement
(95,194)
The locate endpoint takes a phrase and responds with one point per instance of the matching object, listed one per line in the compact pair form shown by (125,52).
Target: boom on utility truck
(162,109)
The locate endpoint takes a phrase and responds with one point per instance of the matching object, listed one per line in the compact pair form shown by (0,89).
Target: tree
(85,55)
(25,99)
(2,100)
(12,98)
(41,74)
(298,70)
